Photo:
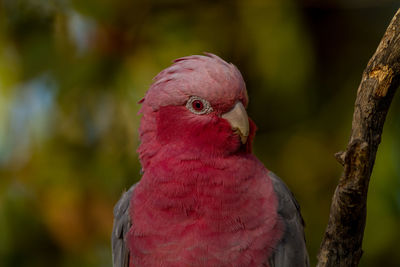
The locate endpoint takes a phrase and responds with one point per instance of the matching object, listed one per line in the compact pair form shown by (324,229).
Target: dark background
(72,72)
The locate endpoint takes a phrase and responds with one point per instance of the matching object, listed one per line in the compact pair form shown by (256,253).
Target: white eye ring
(198,105)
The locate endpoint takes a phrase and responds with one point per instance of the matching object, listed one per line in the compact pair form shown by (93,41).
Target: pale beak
(237,118)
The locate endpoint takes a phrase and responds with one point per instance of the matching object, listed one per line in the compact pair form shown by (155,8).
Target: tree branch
(341,245)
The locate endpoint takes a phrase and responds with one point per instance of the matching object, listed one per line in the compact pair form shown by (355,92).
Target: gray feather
(291,250)
(122,224)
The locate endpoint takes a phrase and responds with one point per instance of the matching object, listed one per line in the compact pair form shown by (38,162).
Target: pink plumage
(204,198)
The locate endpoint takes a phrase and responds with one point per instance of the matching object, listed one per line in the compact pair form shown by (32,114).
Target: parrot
(204,199)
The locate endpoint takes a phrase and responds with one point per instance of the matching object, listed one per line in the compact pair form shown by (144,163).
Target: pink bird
(204,199)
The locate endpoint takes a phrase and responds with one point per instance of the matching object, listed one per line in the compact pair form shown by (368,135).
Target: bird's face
(199,103)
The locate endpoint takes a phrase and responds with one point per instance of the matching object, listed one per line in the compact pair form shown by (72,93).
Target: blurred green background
(72,72)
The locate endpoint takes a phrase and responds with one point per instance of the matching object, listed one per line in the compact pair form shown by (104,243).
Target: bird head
(197,104)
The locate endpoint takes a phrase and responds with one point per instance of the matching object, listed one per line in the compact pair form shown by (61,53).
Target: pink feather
(204,199)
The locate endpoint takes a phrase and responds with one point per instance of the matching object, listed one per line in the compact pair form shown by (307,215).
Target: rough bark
(341,245)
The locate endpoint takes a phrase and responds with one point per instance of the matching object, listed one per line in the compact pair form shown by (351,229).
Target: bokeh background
(72,72)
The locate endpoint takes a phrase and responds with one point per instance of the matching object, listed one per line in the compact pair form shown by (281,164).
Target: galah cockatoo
(204,199)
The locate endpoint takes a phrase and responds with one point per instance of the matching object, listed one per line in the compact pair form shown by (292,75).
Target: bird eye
(198,105)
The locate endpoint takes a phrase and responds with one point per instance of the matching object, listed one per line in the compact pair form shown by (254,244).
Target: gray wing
(291,250)
(122,224)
